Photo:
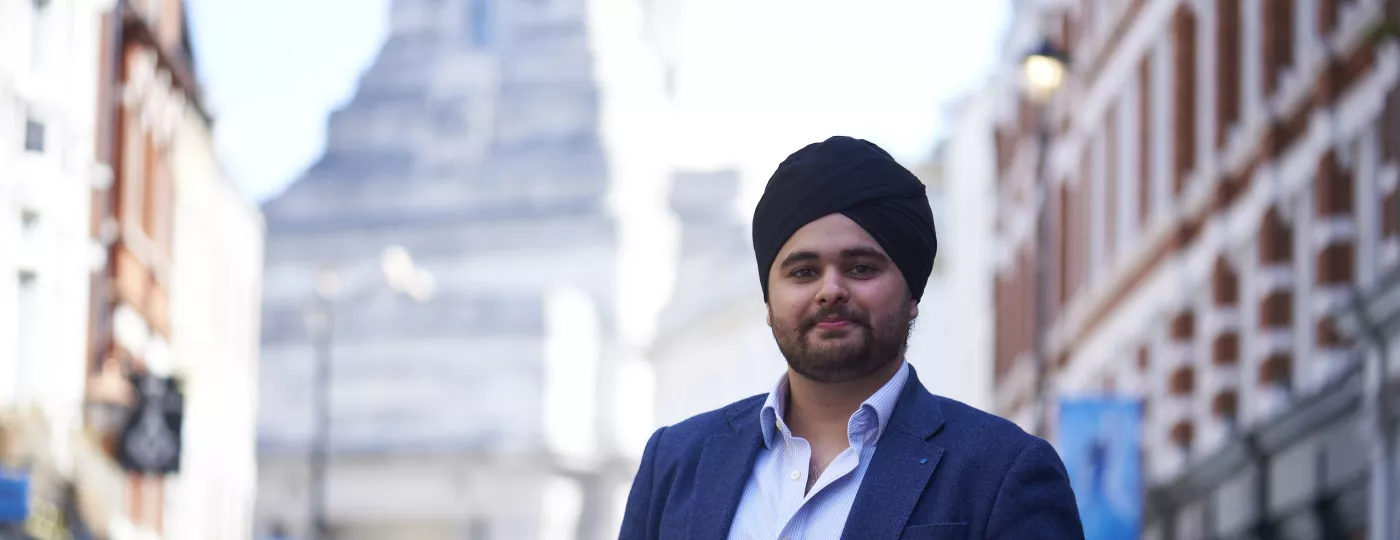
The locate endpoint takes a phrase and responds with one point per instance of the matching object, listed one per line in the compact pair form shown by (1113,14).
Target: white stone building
(712,346)
(215,284)
(952,340)
(480,406)
(49,58)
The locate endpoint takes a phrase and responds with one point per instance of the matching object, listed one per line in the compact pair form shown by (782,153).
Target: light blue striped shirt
(775,506)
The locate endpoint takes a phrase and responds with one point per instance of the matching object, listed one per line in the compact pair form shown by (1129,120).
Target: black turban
(860,180)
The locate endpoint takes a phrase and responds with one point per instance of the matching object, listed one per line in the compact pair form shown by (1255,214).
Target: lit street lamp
(1043,70)
(404,277)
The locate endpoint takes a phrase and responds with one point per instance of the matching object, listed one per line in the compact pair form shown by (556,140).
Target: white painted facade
(49,57)
(215,290)
(952,343)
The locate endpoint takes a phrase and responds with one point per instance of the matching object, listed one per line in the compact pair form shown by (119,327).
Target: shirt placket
(796,455)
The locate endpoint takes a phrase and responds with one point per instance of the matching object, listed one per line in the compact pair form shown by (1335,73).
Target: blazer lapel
(723,471)
(900,470)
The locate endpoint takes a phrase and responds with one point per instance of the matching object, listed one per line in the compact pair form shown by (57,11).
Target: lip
(833,324)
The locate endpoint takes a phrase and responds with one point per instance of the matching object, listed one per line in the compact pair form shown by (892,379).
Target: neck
(821,410)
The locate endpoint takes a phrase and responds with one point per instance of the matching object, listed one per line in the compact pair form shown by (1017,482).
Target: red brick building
(147,81)
(1222,174)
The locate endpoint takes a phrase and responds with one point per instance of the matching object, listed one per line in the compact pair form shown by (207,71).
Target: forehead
(829,234)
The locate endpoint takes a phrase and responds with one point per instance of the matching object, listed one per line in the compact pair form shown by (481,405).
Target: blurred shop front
(1304,475)
(61,484)
(37,501)
(1325,468)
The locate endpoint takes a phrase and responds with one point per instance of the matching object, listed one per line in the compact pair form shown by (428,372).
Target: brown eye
(862,269)
(803,273)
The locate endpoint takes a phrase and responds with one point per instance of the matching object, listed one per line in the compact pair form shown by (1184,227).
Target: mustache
(844,312)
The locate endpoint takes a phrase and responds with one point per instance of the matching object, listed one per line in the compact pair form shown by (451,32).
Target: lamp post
(1043,70)
(404,277)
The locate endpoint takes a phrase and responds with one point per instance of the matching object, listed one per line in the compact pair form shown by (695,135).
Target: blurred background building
(459,361)
(1220,190)
(48,86)
(110,329)
(525,246)
(712,346)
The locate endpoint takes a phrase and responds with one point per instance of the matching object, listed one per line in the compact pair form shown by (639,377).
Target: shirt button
(795,475)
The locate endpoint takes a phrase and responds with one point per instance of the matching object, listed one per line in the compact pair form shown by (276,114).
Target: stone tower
(472,142)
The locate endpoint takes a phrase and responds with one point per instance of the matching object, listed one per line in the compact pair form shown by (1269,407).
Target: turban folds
(860,180)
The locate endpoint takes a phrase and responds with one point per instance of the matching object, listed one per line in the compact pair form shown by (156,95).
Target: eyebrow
(848,253)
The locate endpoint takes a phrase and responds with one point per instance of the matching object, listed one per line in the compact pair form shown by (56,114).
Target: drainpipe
(1042,286)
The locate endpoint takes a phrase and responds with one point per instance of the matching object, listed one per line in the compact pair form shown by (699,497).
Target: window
(480,22)
(479,529)
(1279,35)
(40,20)
(1227,67)
(34,131)
(1184,86)
(29,220)
(28,318)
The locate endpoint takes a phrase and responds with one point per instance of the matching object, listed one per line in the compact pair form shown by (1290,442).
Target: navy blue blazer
(942,469)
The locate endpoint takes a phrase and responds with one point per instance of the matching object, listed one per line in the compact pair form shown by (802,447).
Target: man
(849,444)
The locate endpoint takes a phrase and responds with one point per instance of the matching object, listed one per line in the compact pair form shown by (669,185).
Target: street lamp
(1043,70)
(404,277)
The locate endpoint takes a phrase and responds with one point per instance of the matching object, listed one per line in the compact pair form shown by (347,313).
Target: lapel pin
(923,461)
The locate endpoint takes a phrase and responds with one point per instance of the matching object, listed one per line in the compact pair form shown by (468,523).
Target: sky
(760,77)
(757,80)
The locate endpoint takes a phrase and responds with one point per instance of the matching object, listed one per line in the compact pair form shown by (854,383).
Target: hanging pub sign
(150,441)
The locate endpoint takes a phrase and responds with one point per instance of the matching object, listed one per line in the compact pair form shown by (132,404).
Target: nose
(833,290)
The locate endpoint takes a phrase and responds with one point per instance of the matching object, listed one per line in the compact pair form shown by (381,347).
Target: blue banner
(1099,441)
(14,496)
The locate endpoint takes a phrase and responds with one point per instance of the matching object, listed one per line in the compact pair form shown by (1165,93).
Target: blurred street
(437,269)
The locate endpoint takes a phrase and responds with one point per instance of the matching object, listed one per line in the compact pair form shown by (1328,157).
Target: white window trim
(1252,111)
(41,20)
(1304,261)
(1128,179)
(1367,201)
(1162,143)
(1206,107)
(1249,359)
(1098,208)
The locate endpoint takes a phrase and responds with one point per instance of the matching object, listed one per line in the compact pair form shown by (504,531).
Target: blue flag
(1099,440)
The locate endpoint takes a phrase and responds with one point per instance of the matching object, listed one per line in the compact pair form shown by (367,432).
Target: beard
(811,355)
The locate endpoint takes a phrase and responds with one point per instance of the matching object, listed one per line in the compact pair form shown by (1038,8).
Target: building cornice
(137,29)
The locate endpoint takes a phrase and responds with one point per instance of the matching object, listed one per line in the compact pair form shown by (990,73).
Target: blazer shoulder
(984,427)
(692,432)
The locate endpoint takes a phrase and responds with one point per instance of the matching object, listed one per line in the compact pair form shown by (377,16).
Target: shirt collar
(880,404)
